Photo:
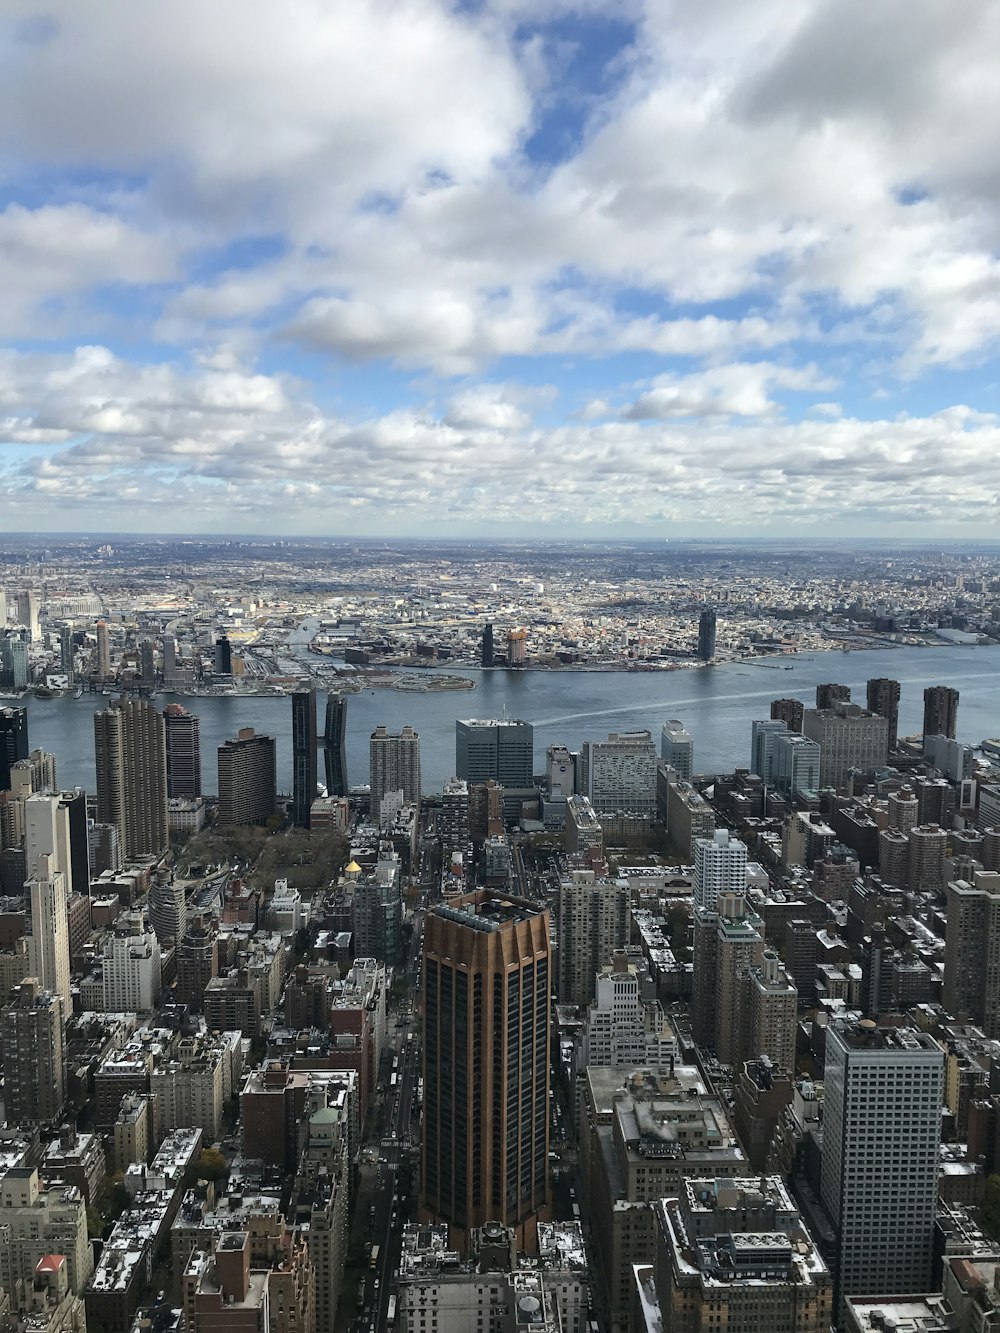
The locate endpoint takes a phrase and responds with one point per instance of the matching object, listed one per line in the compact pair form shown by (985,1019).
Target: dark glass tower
(183,752)
(487,658)
(335,745)
(706,634)
(13,741)
(223,656)
(304,753)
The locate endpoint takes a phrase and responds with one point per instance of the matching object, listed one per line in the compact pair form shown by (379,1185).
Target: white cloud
(203,442)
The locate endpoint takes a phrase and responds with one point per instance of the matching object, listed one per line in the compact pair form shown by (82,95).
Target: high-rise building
(197,961)
(772,1003)
(169,660)
(795,763)
(762,734)
(624,1030)
(739,948)
(879,1171)
(378,910)
(130,961)
(130,748)
(395,765)
(13,741)
(167,907)
(883,698)
(48,943)
(940,711)
(453,822)
(3,609)
(501,750)
(677,748)
(720,866)
(827,696)
(103,651)
(335,745)
(304,753)
(27,613)
(32,1042)
(183,752)
(788,711)
(147,663)
(14,670)
(620,773)
(593,924)
(904,809)
(485,1127)
(248,782)
(706,634)
(66,652)
(972,951)
(223,656)
(486,658)
(55,825)
(928,849)
(517,647)
(849,738)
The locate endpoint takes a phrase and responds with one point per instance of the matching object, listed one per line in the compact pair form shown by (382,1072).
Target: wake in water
(652,705)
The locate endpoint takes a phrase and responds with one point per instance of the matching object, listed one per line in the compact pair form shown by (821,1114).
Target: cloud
(734,390)
(202,441)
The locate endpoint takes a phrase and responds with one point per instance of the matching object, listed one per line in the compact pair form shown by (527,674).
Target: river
(717,704)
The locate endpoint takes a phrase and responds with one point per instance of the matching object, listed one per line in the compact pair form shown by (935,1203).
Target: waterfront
(717,704)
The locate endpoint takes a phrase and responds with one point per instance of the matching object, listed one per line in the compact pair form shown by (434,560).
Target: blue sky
(500,267)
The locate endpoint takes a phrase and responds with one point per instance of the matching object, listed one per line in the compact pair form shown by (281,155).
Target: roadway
(397,1141)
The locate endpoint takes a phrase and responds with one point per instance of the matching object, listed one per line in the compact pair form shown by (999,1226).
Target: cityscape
(587,1036)
(499,660)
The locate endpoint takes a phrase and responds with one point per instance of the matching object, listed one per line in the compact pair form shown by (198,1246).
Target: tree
(211,1165)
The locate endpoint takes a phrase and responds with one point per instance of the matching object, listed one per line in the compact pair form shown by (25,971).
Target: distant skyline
(501,269)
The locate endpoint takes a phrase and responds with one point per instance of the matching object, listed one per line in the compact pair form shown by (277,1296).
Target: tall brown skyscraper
(130,749)
(32,1030)
(788,711)
(883,698)
(830,694)
(940,711)
(485,1131)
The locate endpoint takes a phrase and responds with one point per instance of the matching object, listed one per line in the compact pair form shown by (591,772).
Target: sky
(500,268)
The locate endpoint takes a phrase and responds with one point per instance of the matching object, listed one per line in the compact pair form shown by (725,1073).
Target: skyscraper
(66,653)
(972,951)
(14,670)
(517,646)
(848,737)
(304,752)
(788,711)
(485,1127)
(593,923)
(183,731)
(762,737)
(395,765)
(620,773)
(130,749)
(48,943)
(831,693)
(493,748)
(103,651)
(879,1171)
(32,1028)
(940,711)
(883,698)
(13,741)
(248,783)
(795,763)
(677,748)
(223,656)
(706,634)
(720,866)
(335,745)
(147,663)
(27,613)
(487,650)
